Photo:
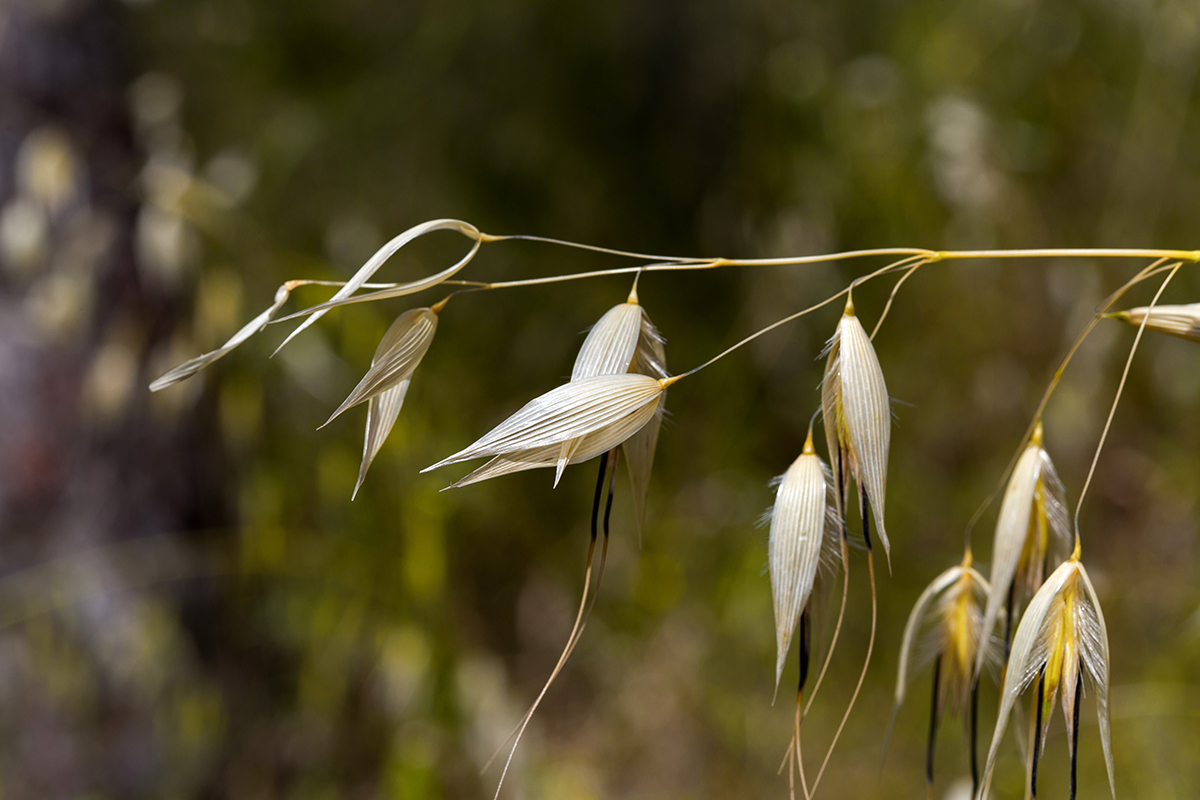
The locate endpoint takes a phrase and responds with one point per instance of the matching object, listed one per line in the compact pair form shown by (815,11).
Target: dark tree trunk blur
(94,472)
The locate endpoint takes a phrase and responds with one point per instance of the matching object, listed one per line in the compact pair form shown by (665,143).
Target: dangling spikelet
(951,607)
(624,340)
(1181,321)
(857,418)
(1061,639)
(344,296)
(396,357)
(649,358)
(189,368)
(1031,530)
(603,404)
(386,382)
(801,540)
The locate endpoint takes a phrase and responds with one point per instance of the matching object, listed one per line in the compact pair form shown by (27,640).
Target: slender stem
(881,271)
(521,237)
(581,618)
(837,628)
(935,255)
(1072,252)
(892,297)
(1120,388)
(799,752)
(861,676)
(1146,272)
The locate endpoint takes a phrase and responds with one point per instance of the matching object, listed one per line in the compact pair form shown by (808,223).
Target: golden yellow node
(439,305)
(808,443)
(1037,437)
(849,312)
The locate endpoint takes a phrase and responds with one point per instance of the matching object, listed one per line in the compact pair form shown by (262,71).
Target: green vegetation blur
(306,646)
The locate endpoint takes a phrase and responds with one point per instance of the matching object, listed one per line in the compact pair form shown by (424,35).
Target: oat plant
(611,410)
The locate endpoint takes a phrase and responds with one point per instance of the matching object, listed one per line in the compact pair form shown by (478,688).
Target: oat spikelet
(1031,530)
(637,440)
(649,358)
(189,368)
(1062,639)
(343,296)
(950,609)
(799,541)
(1182,321)
(607,350)
(621,402)
(396,357)
(857,418)
(386,383)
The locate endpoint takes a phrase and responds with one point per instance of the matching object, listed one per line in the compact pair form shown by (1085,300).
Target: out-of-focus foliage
(318,648)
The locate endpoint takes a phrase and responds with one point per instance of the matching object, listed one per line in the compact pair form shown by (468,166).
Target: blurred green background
(194,608)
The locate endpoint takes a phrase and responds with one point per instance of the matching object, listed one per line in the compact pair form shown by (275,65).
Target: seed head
(801,539)
(612,406)
(1031,530)
(857,418)
(1062,639)
(189,368)
(1181,321)
(386,383)
(649,358)
(624,340)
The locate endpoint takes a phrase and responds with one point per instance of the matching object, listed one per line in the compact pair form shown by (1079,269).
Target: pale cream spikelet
(624,340)
(857,418)
(386,383)
(613,407)
(607,350)
(649,358)
(344,296)
(1031,530)
(190,367)
(950,611)
(802,539)
(1062,640)
(1182,321)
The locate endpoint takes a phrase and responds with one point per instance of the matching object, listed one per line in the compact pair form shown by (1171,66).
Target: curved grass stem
(1145,273)
(837,628)
(1120,388)
(861,676)
(583,615)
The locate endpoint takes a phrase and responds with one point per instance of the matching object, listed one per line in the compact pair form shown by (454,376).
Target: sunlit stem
(892,297)
(837,628)
(858,281)
(581,618)
(796,737)
(861,676)
(1146,272)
